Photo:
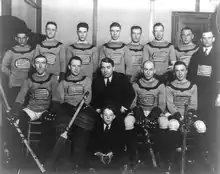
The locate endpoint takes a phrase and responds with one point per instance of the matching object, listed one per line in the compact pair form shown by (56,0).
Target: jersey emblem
(41,94)
(180,100)
(51,58)
(146,100)
(204,70)
(160,56)
(22,63)
(76,89)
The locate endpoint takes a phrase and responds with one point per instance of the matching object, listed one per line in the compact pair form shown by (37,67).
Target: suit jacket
(108,141)
(205,83)
(119,92)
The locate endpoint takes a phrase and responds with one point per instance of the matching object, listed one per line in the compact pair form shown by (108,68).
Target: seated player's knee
(155,113)
(163,122)
(200,126)
(129,121)
(173,125)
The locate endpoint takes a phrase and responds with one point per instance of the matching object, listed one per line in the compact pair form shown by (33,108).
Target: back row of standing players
(127,58)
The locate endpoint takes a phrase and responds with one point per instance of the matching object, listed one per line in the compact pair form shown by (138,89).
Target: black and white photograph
(109,86)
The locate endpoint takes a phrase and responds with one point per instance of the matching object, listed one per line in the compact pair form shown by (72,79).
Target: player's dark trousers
(78,135)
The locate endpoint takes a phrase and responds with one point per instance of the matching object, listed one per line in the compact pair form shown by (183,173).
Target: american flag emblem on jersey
(204,70)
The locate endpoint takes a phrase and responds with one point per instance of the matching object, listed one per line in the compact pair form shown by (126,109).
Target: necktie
(107,128)
(108,82)
(206,51)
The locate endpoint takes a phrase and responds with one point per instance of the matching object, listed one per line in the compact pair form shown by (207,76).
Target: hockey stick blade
(50,163)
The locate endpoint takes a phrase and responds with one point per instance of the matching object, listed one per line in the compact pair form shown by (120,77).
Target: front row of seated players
(150,103)
(109,87)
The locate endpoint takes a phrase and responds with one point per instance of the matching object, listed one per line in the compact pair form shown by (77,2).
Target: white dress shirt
(207,50)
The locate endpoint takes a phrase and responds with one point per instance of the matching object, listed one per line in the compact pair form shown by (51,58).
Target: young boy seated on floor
(107,140)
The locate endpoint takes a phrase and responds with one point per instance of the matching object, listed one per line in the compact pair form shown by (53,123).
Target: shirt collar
(208,49)
(110,79)
(82,42)
(106,125)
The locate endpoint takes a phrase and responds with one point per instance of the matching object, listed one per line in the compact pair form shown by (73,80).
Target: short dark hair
(52,23)
(136,27)
(179,63)
(158,24)
(41,56)
(68,71)
(186,28)
(83,25)
(74,58)
(107,60)
(115,24)
(110,107)
(207,30)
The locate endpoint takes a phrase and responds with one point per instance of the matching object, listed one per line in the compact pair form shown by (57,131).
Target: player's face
(22,39)
(51,31)
(148,70)
(108,116)
(136,35)
(40,65)
(107,69)
(115,33)
(158,33)
(75,67)
(82,33)
(180,72)
(187,36)
(207,39)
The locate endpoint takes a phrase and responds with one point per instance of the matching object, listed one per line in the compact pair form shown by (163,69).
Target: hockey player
(16,64)
(71,92)
(187,48)
(115,49)
(161,52)
(33,102)
(87,52)
(53,50)
(135,55)
(147,106)
(178,93)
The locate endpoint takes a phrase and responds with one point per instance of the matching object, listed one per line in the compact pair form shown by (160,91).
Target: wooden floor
(31,168)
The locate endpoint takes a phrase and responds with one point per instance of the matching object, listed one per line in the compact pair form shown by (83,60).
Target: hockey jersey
(16,64)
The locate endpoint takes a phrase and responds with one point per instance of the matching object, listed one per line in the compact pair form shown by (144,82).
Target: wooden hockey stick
(63,137)
(24,140)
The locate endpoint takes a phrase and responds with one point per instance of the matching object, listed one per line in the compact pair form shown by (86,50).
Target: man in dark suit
(107,139)
(203,71)
(111,87)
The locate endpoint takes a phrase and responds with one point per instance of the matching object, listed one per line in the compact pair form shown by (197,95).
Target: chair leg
(28,137)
